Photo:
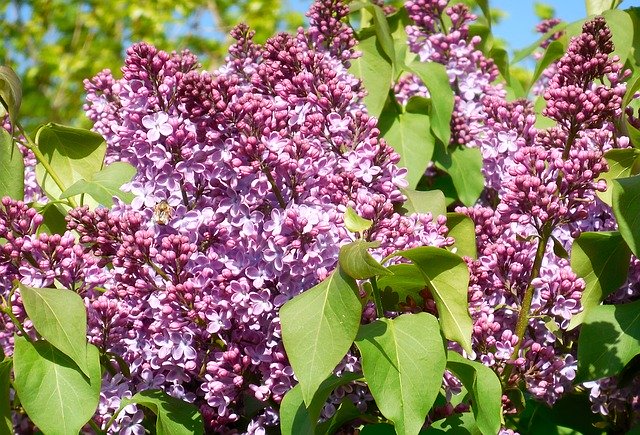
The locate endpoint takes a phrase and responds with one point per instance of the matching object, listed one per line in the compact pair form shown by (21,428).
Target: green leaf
(407,280)
(60,317)
(501,59)
(543,11)
(11,167)
(609,339)
(620,162)
(74,154)
(602,260)
(485,389)
(522,54)
(58,398)
(443,183)
(375,71)
(424,201)
(105,184)
(383,32)
(554,51)
(6,424)
(465,167)
(378,429)
(409,135)
(486,10)
(447,276)
(633,133)
(621,26)
(434,76)
(356,261)
(295,418)
(354,223)
(10,92)
(632,88)
(345,413)
(626,208)
(459,424)
(403,360)
(597,7)
(570,415)
(175,416)
(318,328)
(463,230)
(558,248)
(53,214)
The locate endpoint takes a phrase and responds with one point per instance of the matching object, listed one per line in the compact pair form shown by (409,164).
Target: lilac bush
(245,180)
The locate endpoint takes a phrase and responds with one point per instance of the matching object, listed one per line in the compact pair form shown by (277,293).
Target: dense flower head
(37,259)
(574,100)
(541,183)
(243,177)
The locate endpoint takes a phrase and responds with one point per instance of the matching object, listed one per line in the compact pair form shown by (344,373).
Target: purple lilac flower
(541,180)
(262,159)
(471,74)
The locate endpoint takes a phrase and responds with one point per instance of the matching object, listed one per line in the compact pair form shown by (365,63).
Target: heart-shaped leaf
(74,154)
(59,315)
(598,258)
(105,184)
(609,339)
(403,360)
(447,276)
(58,398)
(318,328)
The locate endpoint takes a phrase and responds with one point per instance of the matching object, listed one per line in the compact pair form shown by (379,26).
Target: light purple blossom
(157,125)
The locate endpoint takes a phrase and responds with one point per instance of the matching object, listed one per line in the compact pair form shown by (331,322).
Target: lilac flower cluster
(243,177)
(38,260)
(470,73)
(539,183)
(252,167)
(544,184)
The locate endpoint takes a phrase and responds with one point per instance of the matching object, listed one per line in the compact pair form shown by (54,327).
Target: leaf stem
(377,299)
(274,186)
(525,315)
(96,428)
(9,312)
(31,145)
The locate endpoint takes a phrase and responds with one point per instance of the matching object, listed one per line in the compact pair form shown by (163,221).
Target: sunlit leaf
(403,360)
(60,317)
(318,328)
(356,261)
(11,167)
(57,396)
(174,416)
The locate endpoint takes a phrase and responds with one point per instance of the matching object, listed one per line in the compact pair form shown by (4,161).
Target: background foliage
(56,44)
